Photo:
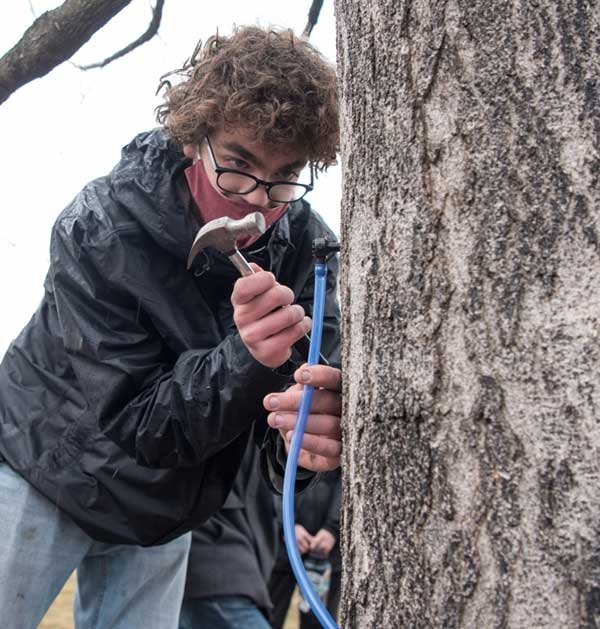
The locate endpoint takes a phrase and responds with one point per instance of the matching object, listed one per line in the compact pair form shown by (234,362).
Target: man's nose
(259,197)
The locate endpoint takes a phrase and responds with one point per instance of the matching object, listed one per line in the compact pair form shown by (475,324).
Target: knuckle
(295,314)
(284,294)
(251,337)
(250,334)
(237,317)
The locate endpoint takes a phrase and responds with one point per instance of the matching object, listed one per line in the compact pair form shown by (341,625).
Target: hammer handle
(302,345)
(240,263)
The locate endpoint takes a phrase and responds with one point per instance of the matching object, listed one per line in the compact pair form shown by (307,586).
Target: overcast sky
(67,128)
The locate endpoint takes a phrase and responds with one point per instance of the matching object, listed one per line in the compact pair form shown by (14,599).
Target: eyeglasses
(237,182)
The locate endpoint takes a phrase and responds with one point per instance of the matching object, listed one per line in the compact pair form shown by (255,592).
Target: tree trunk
(471,313)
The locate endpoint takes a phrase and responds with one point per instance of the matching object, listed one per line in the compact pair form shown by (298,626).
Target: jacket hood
(149,183)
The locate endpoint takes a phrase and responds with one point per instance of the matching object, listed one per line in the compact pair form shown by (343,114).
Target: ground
(60,615)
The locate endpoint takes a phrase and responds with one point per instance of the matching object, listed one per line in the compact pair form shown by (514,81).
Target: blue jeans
(224,612)
(118,586)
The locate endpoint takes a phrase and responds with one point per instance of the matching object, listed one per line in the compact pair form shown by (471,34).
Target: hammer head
(222,234)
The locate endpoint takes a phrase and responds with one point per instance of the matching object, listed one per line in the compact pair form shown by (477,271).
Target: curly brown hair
(276,86)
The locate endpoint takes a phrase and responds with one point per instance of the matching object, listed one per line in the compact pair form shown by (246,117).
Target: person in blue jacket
(127,401)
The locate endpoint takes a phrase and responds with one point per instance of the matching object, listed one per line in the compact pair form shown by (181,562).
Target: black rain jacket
(128,398)
(233,552)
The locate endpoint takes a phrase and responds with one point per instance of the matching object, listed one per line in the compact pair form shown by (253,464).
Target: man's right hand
(268,321)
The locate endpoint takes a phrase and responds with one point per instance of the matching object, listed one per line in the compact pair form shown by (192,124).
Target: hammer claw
(222,234)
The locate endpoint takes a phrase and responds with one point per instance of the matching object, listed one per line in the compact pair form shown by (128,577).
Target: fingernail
(273,402)
(305,375)
(277,421)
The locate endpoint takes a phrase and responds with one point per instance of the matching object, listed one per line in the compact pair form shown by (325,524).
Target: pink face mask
(213,205)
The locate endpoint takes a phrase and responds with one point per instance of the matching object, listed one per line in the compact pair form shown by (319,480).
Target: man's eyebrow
(297,165)
(253,159)
(243,152)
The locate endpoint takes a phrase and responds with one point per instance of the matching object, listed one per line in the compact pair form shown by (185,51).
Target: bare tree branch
(313,17)
(53,38)
(147,36)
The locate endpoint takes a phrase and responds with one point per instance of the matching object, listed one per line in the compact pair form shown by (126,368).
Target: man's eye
(237,164)
(289,176)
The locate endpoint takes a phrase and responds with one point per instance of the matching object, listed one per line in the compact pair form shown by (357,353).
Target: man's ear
(191,151)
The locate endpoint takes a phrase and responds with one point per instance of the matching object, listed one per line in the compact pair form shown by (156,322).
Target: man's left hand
(322,442)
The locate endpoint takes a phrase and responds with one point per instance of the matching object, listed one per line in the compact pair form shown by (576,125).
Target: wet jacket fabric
(233,552)
(128,398)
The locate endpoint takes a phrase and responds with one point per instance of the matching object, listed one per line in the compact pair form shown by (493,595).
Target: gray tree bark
(471,313)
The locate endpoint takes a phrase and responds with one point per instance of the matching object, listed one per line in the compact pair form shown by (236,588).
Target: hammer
(222,234)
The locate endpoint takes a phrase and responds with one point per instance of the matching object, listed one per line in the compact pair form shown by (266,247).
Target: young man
(127,401)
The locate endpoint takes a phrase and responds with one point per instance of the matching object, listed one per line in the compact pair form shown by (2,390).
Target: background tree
(471,300)
(56,35)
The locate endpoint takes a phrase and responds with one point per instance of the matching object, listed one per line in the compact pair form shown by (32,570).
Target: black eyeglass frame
(219,170)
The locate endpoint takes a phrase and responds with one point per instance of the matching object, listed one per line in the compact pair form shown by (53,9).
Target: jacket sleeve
(163,410)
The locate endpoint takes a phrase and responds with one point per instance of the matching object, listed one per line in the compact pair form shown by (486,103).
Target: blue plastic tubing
(289,479)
